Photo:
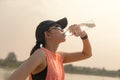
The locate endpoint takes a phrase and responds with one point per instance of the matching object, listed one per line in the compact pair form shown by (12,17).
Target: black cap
(45,25)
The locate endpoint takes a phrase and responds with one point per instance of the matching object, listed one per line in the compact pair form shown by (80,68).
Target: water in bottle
(84,26)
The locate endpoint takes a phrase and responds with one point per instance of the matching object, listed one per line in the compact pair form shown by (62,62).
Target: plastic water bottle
(84,26)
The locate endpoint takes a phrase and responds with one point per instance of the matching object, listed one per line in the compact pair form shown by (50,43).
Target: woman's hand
(76,30)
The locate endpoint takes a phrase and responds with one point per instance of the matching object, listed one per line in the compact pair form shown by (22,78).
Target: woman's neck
(52,47)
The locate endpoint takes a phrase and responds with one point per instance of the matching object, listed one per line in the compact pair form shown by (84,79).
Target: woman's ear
(47,35)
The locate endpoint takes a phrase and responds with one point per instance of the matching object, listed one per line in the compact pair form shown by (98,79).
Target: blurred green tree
(11,57)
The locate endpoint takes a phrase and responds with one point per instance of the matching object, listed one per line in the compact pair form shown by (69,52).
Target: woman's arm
(76,56)
(28,66)
(85,53)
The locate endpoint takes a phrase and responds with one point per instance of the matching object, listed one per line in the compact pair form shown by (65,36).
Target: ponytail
(37,46)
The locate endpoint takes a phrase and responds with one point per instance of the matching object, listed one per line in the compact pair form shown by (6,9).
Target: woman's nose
(62,30)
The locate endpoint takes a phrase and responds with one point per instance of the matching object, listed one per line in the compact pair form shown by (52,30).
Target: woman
(45,63)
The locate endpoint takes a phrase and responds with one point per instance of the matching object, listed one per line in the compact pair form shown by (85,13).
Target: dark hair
(43,27)
(40,37)
(36,47)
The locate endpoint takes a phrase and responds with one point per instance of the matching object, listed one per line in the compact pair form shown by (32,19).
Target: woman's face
(56,33)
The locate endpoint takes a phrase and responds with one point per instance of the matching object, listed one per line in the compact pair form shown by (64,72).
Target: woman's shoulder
(40,52)
(61,54)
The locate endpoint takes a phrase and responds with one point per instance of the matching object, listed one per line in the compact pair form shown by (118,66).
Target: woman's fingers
(75,29)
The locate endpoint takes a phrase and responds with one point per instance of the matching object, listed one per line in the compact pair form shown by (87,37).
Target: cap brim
(63,22)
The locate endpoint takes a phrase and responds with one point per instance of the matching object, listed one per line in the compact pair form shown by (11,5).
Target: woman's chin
(63,40)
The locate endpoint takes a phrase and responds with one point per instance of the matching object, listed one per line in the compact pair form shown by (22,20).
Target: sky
(19,18)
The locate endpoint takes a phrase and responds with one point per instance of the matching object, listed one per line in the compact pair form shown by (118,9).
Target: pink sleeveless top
(55,69)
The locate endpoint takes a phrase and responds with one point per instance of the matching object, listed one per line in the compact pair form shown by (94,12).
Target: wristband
(85,37)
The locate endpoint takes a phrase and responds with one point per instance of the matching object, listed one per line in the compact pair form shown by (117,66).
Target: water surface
(5,73)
